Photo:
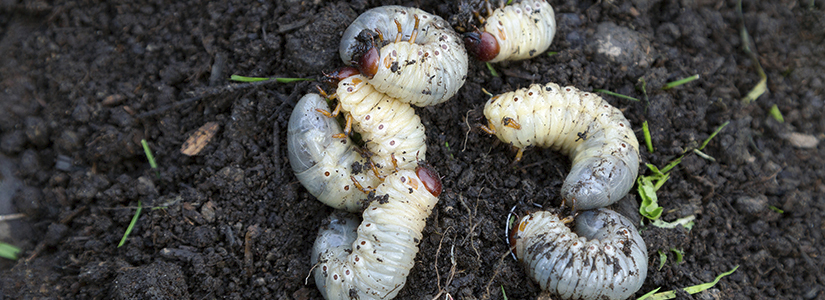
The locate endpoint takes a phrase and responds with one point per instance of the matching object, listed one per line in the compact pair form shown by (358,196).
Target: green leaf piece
(662,259)
(776,209)
(776,114)
(679,254)
(8,251)
(686,222)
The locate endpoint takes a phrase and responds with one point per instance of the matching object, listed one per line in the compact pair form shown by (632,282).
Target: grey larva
(373,261)
(514,32)
(323,163)
(390,128)
(604,259)
(596,136)
(424,63)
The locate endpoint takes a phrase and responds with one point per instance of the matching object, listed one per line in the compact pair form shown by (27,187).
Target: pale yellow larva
(424,62)
(518,31)
(323,164)
(596,136)
(372,260)
(390,128)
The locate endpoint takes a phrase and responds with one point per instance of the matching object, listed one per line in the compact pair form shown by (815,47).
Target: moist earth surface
(84,82)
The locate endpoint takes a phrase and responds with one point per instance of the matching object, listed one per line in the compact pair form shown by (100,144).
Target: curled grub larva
(324,164)
(373,261)
(596,136)
(390,128)
(514,32)
(604,259)
(423,61)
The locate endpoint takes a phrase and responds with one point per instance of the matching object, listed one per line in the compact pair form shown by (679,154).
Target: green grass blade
(645,296)
(131,225)
(240,78)
(615,94)
(247,79)
(492,70)
(679,82)
(705,143)
(551,53)
(150,157)
(703,155)
(762,85)
(644,92)
(8,251)
(648,141)
(290,80)
(691,289)
(503,293)
(701,287)
(672,164)
(655,170)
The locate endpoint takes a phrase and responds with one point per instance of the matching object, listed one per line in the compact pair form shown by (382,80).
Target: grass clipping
(762,86)
(652,295)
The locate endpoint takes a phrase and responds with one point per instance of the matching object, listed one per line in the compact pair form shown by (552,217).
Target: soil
(83,82)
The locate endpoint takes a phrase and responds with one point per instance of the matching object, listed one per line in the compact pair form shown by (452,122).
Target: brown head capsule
(482,45)
(430,178)
(366,53)
(336,76)
(368,62)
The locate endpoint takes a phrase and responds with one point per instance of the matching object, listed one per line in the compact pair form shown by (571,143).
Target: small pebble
(801,140)
(752,205)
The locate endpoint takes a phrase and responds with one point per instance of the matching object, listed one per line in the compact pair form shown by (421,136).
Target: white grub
(389,127)
(322,163)
(522,30)
(597,137)
(423,72)
(605,258)
(373,260)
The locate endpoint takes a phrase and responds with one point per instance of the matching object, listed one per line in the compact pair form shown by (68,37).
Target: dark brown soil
(82,82)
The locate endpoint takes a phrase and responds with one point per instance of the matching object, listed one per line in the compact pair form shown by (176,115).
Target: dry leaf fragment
(199,139)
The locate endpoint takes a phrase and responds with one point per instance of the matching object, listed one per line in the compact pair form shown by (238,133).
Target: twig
(10,217)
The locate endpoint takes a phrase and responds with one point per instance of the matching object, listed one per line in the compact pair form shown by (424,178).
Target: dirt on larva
(82,83)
